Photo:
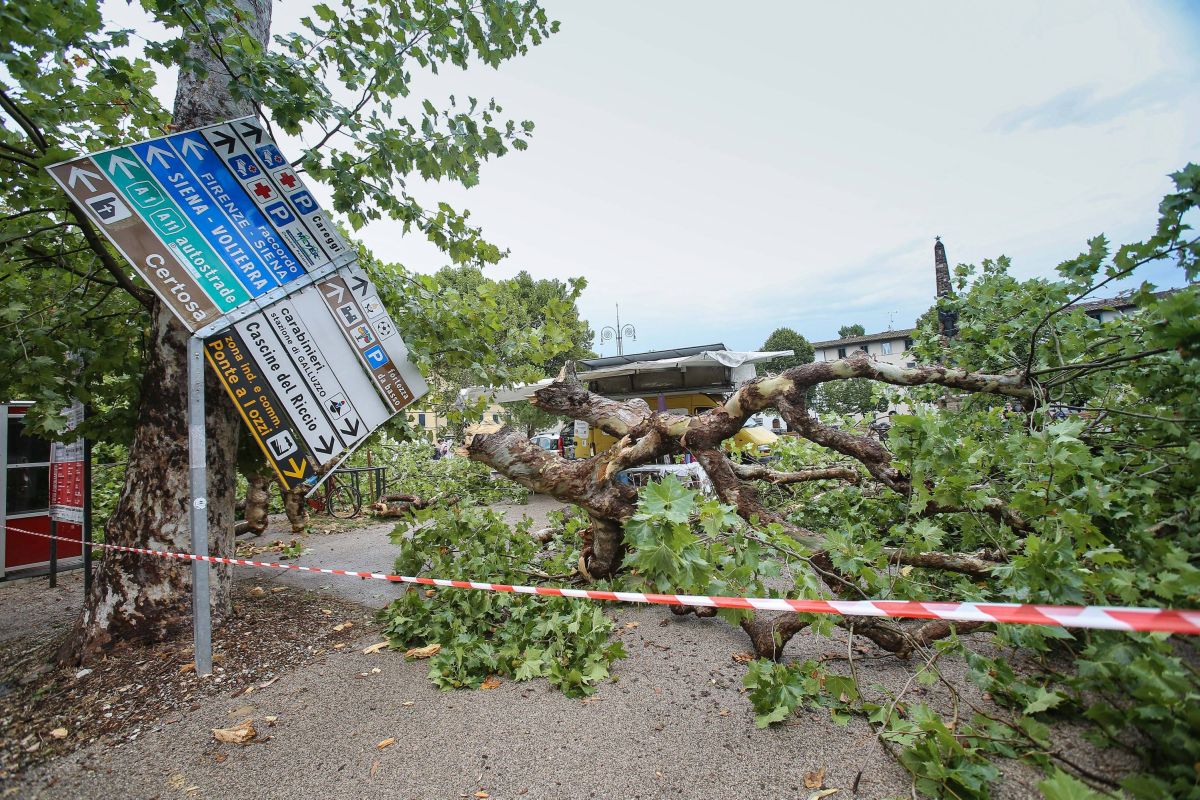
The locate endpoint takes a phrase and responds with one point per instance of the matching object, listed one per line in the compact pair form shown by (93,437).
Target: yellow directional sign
(265,416)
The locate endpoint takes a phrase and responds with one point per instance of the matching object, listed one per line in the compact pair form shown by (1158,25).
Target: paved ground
(370,549)
(43,611)
(674,724)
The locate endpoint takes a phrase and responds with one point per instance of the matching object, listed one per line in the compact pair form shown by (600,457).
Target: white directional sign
(306,412)
(227,235)
(313,340)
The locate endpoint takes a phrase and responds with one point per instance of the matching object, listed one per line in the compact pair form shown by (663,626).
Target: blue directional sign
(259,187)
(242,212)
(220,227)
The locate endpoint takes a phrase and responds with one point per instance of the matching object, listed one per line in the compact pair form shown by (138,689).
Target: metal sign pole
(87,516)
(198,509)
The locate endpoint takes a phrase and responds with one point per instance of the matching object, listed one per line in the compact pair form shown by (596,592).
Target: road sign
(330,368)
(149,199)
(260,408)
(363,336)
(293,189)
(171,278)
(268,179)
(219,204)
(389,338)
(66,472)
(225,232)
(303,409)
(300,348)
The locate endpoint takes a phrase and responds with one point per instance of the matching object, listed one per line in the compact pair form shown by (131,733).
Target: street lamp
(619,333)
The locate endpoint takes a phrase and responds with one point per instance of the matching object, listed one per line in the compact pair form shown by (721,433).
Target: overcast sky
(723,169)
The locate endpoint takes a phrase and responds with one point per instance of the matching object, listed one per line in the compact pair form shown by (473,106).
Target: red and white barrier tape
(1108,617)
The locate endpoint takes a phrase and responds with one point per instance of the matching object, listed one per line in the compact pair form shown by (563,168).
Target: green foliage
(777,690)
(293,549)
(466,330)
(523,330)
(108,476)
(351,69)
(412,470)
(848,397)
(518,636)
(786,339)
(1110,497)
(846,331)
(1061,786)
(680,542)
(527,417)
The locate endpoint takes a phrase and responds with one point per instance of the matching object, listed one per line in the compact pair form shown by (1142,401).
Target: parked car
(690,475)
(562,442)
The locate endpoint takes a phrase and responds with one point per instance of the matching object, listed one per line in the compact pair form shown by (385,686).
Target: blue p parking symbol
(375,356)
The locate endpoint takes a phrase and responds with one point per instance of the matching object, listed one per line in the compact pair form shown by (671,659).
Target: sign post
(198,507)
(229,238)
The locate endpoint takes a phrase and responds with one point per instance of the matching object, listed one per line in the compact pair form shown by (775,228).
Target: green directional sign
(167,220)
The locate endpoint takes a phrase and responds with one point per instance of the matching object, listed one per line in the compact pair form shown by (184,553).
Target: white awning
(740,362)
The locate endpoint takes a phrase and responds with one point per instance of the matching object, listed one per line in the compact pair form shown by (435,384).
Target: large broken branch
(758,472)
(645,436)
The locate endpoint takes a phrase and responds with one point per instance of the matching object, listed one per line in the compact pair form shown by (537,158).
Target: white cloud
(720,169)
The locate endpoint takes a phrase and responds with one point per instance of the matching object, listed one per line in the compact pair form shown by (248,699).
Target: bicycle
(342,498)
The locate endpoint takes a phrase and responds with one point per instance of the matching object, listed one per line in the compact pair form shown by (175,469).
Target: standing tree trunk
(139,598)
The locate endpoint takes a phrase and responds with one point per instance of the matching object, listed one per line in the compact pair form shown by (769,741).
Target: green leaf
(1043,700)
(1061,786)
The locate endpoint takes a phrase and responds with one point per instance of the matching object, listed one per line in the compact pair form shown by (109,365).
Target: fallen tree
(645,436)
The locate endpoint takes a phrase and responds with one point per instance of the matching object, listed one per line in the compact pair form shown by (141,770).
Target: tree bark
(769,635)
(644,435)
(258,500)
(296,507)
(137,598)
(582,482)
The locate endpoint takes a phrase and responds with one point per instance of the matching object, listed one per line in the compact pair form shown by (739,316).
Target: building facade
(889,346)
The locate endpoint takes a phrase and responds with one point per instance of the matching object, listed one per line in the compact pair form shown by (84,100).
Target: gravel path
(674,723)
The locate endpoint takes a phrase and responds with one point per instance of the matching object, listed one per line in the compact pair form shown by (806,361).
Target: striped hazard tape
(1116,618)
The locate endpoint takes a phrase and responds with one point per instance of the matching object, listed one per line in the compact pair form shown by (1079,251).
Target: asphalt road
(673,724)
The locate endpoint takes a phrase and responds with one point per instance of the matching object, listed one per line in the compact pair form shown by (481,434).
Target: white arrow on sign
(193,147)
(123,163)
(154,151)
(78,174)
(337,293)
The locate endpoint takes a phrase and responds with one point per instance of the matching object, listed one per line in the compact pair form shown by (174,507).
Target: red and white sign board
(66,472)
